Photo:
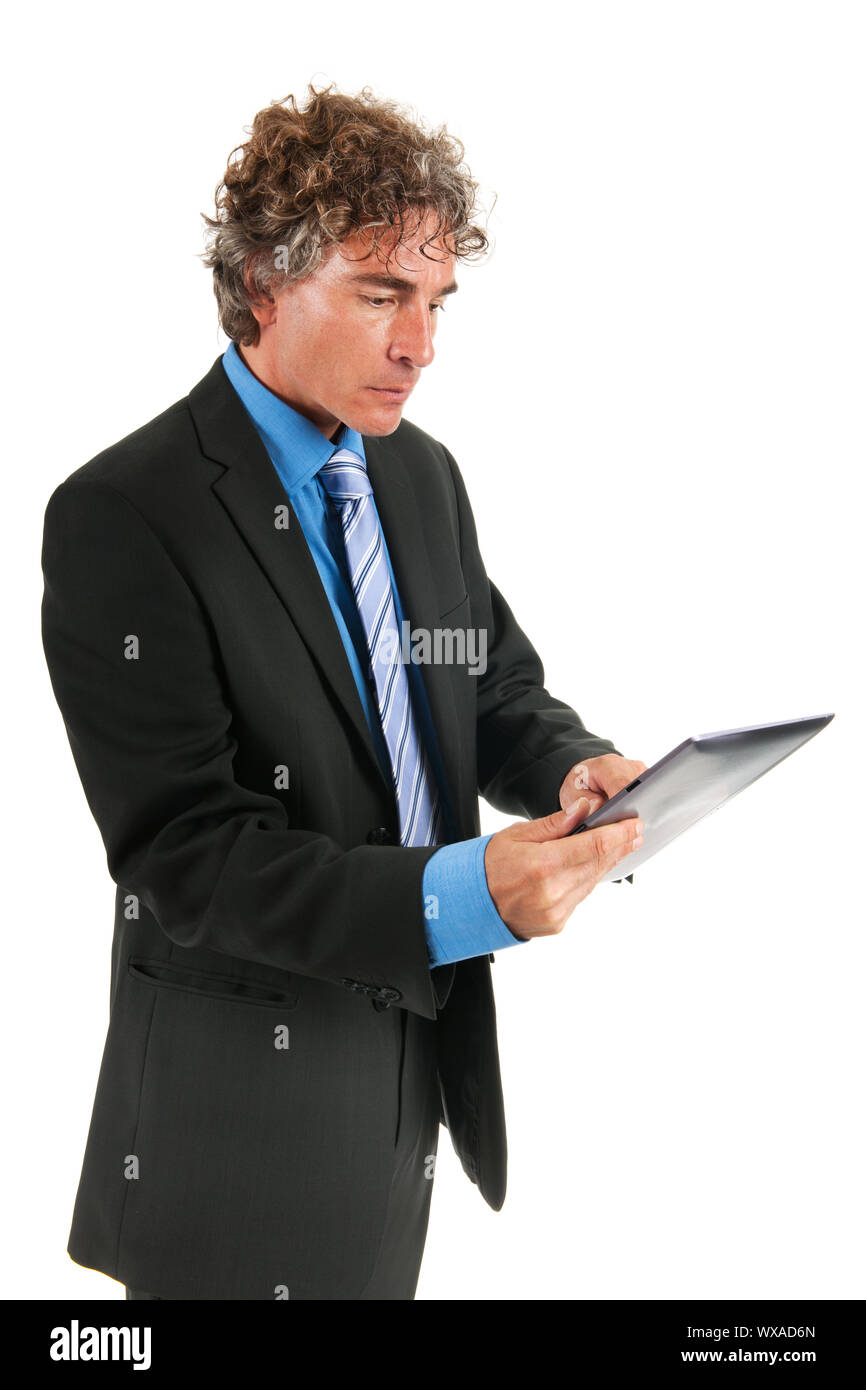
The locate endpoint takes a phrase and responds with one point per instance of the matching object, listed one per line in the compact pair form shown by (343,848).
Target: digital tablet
(695,778)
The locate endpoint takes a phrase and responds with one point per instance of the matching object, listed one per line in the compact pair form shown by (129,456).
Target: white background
(654,390)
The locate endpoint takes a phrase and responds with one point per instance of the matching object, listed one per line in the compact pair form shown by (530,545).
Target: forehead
(395,255)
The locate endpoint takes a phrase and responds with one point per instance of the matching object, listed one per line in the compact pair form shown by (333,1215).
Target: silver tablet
(698,777)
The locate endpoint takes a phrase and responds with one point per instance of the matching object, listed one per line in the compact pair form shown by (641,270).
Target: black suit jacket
(195,660)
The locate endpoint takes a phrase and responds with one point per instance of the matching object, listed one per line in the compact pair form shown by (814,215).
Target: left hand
(599,779)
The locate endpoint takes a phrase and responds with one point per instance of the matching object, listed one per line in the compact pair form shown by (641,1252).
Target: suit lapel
(250,489)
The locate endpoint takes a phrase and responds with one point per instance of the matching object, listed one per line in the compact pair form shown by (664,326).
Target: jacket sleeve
(526,739)
(151,734)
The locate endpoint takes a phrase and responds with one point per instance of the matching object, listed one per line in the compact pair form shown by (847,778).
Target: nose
(414,337)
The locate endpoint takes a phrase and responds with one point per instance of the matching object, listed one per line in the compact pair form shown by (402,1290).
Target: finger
(558,823)
(567,797)
(600,852)
(604,846)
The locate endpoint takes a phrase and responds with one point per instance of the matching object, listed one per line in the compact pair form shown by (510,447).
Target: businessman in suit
(306,911)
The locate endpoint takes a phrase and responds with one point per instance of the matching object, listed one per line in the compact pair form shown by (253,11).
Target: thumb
(558,823)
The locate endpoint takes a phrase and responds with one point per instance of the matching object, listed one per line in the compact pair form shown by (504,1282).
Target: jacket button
(384,998)
(380,836)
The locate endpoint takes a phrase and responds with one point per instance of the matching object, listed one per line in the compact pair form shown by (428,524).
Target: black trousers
(398,1263)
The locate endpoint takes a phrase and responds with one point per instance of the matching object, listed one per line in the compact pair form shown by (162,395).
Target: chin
(383,423)
(384,429)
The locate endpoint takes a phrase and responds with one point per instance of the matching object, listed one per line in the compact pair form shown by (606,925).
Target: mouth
(388,394)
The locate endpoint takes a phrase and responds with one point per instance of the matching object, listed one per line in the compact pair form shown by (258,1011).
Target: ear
(262,303)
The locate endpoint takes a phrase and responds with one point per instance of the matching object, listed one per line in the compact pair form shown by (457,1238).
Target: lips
(395,394)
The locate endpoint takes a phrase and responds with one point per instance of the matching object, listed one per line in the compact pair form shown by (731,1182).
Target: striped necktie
(345,479)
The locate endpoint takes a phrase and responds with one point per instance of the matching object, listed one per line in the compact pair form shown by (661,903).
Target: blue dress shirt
(460,918)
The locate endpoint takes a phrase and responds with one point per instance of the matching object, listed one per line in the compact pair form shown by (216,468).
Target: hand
(537,871)
(602,777)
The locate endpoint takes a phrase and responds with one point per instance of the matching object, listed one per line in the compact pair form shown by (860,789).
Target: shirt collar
(296,446)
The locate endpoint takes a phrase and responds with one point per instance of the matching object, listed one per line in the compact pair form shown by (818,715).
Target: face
(348,343)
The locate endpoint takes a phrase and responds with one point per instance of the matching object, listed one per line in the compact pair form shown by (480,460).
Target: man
(306,912)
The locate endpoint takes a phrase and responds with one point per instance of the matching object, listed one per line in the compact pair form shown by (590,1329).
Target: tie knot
(344,476)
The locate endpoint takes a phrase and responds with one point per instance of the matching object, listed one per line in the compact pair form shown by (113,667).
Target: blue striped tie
(344,477)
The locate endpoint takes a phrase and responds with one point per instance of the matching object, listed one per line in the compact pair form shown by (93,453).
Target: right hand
(537,872)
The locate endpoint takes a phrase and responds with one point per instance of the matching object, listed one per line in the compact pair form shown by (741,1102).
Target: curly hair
(308,178)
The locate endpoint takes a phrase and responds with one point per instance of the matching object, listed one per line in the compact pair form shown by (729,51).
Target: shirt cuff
(460,918)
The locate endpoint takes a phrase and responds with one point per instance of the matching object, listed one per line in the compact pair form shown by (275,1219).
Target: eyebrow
(396,282)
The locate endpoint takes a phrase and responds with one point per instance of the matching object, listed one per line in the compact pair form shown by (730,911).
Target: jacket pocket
(165,974)
(454,607)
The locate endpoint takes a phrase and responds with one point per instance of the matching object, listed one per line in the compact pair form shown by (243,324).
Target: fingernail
(581,801)
(580,776)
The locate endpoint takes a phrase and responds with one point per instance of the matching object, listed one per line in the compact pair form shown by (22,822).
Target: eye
(378,299)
